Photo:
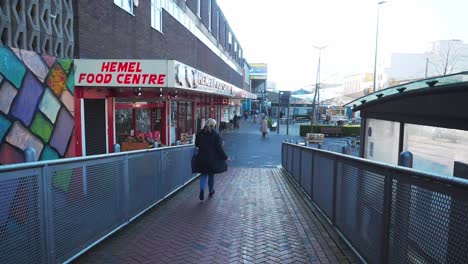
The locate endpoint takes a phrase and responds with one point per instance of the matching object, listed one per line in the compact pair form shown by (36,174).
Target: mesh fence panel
(21,237)
(323,183)
(428,223)
(424,221)
(306,171)
(173,170)
(87,200)
(359,208)
(143,177)
(296,164)
(186,163)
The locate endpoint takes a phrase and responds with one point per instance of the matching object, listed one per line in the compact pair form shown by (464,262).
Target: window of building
(156,15)
(126,5)
(209,15)
(217,25)
(436,149)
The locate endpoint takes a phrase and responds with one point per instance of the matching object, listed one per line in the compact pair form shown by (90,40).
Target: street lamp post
(317,86)
(376,45)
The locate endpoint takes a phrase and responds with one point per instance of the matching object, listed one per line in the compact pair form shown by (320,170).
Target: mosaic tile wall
(36,105)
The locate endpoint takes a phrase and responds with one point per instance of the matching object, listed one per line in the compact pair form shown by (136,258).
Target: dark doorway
(95,126)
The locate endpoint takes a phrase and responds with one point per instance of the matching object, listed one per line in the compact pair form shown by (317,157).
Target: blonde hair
(210,124)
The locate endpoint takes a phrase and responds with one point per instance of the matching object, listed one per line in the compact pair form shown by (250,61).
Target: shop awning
(169,74)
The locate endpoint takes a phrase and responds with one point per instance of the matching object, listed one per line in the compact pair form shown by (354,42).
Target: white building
(442,58)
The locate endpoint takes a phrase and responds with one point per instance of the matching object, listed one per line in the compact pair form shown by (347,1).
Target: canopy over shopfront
(153,74)
(427,118)
(143,101)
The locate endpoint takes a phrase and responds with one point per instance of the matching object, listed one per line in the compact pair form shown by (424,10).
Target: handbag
(195,167)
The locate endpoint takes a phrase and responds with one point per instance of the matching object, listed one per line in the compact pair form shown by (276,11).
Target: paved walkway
(256,216)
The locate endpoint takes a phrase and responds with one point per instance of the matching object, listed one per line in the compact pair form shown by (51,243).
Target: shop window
(382,141)
(190,118)
(182,118)
(123,123)
(126,5)
(156,15)
(143,120)
(436,149)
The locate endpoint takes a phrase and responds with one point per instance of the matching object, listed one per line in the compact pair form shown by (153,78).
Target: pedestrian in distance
(264,126)
(211,158)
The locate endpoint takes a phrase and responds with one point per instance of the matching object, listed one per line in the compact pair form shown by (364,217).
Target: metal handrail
(414,214)
(422,174)
(35,164)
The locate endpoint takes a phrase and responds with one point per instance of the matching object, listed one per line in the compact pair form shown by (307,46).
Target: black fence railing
(388,214)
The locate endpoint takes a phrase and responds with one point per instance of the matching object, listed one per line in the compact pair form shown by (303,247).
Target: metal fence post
(29,154)
(386,215)
(406,159)
(126,190)
(312,176)
(116,148)
(300,167)
(335,177)
(49,217)
(403,202)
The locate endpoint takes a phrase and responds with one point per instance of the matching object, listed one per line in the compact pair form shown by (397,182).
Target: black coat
(211,158)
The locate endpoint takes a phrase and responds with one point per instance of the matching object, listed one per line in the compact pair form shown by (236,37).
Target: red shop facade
(135,103)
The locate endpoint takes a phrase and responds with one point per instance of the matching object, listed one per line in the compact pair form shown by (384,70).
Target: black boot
(211,194)
(202,195)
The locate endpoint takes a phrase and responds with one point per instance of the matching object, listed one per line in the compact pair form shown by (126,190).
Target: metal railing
(388,214)
(52,212)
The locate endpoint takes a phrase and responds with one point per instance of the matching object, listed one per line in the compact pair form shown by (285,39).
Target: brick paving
(254,217)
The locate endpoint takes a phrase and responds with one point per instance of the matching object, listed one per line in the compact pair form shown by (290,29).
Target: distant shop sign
(121,73)
(258,71)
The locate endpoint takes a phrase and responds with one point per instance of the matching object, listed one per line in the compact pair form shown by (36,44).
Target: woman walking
(264,126)
(211,158)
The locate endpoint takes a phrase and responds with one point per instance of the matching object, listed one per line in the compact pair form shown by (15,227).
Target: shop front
(137,103)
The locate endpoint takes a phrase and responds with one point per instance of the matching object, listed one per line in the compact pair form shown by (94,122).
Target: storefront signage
(258,71)
(190,78)
(121,73)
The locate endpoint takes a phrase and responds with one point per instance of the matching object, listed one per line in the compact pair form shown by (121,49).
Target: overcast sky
(283,33)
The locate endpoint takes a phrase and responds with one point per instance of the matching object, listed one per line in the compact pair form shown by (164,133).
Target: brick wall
(104,30)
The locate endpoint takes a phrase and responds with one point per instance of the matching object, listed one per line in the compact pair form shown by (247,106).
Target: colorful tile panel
(10,154)
(25,105)
(49,105)
(11,67)
(42,127)
(69,101)
(63,131)
(7,94)
(57,79)
(4,126)
(36,105)
(49,154)
(22,138)
(34,63)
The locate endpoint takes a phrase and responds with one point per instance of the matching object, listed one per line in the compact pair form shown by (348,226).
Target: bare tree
(445,56)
